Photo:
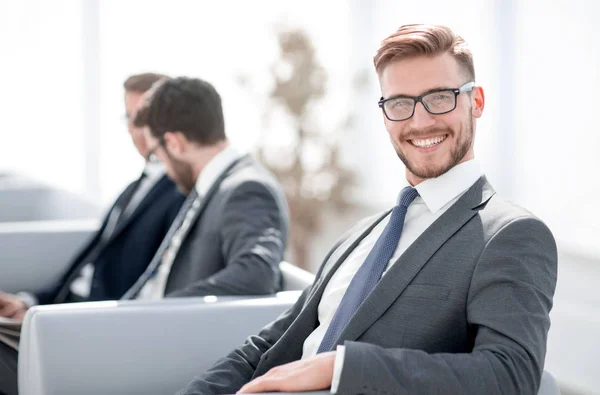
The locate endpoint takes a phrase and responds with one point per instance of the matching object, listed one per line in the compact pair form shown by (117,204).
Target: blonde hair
(429,40)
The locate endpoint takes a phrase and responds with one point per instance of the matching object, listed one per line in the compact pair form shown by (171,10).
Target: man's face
(132,102)
(178,170)
(428,144)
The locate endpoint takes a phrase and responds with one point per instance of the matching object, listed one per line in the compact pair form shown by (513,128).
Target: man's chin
(431,171)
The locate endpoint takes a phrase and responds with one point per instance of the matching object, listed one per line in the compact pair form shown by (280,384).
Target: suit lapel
(204,200)
(146,201)
(97,242)
(416,256)
(289,347)
(93,248)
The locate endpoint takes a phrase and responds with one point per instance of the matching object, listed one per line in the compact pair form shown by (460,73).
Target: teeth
(428,143)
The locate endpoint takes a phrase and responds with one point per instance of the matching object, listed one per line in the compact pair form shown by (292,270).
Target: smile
(429,142)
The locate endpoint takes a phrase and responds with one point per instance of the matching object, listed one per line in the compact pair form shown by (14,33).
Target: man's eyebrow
(434,89)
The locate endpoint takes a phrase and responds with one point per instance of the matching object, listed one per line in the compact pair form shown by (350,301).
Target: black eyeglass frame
(467,87)
(151,155)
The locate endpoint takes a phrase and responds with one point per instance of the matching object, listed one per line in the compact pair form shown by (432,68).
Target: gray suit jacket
(237,239)
(463,311)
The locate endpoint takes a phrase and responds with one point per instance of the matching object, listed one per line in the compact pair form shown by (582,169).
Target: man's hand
(11,306)
(310,374)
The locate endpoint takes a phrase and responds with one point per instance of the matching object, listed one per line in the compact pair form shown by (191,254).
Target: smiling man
(448,292)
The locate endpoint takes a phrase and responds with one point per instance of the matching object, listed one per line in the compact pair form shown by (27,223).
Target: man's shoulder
(166,191)
(247,171)
(499,212)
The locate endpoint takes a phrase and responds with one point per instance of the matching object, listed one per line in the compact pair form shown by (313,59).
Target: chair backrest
(34,254)
(294,278)
(35,202)
(548,386)
(135,347)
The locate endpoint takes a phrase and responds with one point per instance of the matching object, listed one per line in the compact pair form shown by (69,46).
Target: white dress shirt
(436,195)
(154,288)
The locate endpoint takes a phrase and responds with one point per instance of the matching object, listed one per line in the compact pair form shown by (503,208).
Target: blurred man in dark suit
(119,252)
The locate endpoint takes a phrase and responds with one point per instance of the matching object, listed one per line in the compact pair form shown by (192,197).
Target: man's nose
(421,118)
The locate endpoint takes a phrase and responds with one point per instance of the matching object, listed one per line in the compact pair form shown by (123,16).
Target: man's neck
(203,155)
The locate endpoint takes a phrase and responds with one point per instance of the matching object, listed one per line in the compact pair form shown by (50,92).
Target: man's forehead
(417,75)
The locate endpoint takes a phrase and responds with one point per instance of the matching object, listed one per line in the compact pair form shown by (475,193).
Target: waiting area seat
(41,229)
(140,347)
(11,180)
(36,202)
(34,254)
(548,386)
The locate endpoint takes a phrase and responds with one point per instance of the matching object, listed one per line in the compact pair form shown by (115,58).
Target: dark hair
(188,105)
(141,83)
(428,40)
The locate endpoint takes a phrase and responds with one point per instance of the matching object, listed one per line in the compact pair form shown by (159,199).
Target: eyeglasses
(151,155)
(442,101)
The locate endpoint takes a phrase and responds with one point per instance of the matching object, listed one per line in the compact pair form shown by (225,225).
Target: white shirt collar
(214,168)
(439,191)
(154,170)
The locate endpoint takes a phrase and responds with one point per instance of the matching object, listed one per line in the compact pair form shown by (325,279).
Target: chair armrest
(295,393)
(548,386)
(33,255)
(295,278)
(135,347)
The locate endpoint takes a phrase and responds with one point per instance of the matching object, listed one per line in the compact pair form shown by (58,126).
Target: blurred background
(63,63)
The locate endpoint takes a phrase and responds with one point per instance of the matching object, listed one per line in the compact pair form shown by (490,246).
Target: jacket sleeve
(230,373)
(508,308)
(253,238)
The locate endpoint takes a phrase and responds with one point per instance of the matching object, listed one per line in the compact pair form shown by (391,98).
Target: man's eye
(441,96)
(402,103)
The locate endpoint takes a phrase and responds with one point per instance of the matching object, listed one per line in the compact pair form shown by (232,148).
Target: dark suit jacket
(125,256)
(463,311)
(237,239)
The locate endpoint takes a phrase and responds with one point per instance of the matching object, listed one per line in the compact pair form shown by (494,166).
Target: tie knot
(407,195)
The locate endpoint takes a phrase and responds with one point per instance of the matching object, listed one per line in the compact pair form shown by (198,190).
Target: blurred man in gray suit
(230,234)
(447,293)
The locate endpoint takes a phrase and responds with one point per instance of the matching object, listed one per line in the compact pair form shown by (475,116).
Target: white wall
(41,128)
(557,110)
(216,41)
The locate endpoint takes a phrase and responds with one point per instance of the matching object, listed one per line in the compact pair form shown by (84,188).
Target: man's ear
(478,102)
(176,142)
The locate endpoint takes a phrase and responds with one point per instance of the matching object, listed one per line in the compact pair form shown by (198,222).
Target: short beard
(456,155)
(183,174)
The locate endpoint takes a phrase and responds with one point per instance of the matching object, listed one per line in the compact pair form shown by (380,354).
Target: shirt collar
(154,170)
(214,168)
(438,192)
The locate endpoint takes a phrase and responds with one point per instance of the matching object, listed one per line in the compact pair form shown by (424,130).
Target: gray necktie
(191,203)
